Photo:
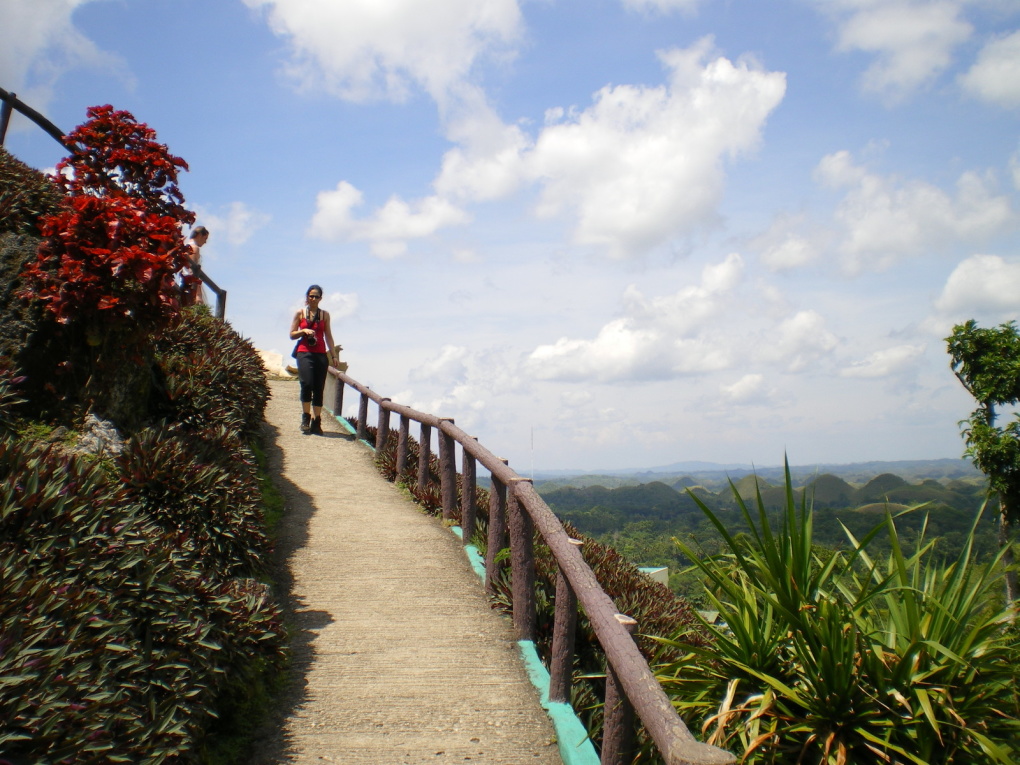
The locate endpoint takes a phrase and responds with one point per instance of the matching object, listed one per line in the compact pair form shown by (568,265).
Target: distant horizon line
(704,465)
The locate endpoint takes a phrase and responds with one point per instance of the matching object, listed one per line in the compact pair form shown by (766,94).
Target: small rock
(99,437)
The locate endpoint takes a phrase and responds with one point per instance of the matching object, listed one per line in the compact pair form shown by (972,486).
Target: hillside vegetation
(136,623)
(640,520)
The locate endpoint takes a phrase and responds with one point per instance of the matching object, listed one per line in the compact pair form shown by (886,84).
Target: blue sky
(599,234)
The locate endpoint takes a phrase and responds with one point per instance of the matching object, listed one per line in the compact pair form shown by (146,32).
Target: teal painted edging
(347,426)
(571,736)
(473,555)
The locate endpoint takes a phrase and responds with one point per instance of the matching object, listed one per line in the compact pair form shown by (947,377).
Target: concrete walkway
(398,656)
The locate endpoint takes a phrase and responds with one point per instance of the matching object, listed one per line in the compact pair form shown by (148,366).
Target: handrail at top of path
(221,294)
(10,102)
(631,687)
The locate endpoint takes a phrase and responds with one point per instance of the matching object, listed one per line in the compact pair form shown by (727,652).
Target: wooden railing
(221,294)
(11,102)
(517,511)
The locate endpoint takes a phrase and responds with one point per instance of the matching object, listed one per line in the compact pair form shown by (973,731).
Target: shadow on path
(271,744)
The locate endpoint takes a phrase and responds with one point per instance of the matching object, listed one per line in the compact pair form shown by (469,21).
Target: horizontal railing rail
(11,101)
(516,513)
(221,294)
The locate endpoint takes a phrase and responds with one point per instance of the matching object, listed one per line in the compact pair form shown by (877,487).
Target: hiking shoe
(306,422)
(316,428)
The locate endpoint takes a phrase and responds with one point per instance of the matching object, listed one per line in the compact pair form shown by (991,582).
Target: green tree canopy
(987,362)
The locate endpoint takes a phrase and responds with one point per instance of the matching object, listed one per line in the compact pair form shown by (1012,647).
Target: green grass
(273,503)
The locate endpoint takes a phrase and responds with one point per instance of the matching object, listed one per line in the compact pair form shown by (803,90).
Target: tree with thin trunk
(987,363)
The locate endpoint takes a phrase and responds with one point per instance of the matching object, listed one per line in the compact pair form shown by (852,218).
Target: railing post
(618,713)
(363,417)
(402,437)
(424,456)
(338,399)
(522,563)
(497,533)
(561,665)
(448,471)
(5,118)
(382,432)
(467,495)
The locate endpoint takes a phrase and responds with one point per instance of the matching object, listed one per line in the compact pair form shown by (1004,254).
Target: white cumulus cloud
(912,40)
(488,161)
(370,49)
(39,42)
(658,338)
(799,341)
(885,218)
(235,225)
(645,164)
(449,365)
(389,228)
(982,286)
(784,246)
(341,305)
(885,362)
(995,76)
(748,388)
(641,166)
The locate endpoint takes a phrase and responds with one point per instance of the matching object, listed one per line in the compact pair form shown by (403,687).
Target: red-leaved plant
(110,254)
(105,268)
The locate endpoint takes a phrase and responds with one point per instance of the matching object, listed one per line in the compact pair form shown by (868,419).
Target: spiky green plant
(847,659)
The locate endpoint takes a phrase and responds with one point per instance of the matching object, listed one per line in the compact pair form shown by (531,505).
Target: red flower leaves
(109,256)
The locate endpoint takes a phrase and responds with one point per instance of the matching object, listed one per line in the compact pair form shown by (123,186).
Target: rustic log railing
(517,511)
(11,101)
(221,294)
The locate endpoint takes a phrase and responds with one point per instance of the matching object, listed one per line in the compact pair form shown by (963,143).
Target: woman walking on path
(315,344)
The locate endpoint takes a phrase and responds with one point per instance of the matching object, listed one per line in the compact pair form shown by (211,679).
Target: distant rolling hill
(634,516)
(716,476)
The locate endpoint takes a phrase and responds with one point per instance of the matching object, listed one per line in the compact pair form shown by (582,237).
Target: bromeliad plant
(844,659)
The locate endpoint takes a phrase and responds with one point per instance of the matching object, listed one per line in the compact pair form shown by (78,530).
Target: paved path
(398,656)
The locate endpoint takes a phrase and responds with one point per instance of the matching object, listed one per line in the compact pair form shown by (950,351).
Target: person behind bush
(314,348)
(191,285)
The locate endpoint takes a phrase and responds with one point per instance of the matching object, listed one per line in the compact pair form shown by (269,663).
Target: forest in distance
(641,518)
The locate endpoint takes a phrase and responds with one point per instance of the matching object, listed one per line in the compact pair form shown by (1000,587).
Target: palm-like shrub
(203,488)
(26,195)
(210,376)
(132,622)
(117,638)
(846,659)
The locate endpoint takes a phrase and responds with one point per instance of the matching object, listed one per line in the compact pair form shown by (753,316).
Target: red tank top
(319,325)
